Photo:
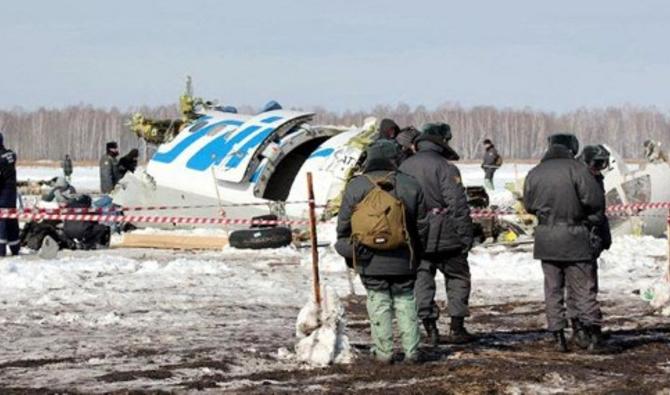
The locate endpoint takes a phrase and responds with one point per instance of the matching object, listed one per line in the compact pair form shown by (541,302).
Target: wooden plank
(174,242)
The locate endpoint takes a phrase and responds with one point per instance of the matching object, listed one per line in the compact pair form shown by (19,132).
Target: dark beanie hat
(388,129)
(111,145)
(382,155)
(567,140)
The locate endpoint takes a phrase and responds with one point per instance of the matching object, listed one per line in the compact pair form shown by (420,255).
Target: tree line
(82,130)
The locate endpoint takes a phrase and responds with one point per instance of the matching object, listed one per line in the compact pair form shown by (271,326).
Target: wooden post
(316,283)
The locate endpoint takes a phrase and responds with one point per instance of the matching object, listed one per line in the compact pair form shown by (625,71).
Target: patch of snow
(84,178)
(321,332)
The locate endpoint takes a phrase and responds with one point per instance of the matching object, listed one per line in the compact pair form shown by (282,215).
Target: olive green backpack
(378,221)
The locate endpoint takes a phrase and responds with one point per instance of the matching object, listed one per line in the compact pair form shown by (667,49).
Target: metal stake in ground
(312,236)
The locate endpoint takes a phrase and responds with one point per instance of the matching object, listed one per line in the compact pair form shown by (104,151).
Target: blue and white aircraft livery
(225,158)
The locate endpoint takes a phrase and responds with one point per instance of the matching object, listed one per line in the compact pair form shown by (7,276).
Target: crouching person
(378,235)
(87,235)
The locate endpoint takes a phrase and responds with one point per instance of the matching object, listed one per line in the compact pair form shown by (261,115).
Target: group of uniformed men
(565,194)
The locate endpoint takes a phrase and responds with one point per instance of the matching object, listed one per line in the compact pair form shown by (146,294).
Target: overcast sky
(344,54)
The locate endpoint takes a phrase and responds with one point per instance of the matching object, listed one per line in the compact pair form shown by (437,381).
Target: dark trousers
(9,236)
(577,280)
(456,270)
(488,173)
(9,228)
(394,284)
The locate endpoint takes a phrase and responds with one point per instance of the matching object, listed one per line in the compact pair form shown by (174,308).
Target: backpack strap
(376,182)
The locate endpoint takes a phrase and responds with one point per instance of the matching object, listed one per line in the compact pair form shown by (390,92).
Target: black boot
(595,336)
(579,334)
(432,332)
(561,344)
(457,332)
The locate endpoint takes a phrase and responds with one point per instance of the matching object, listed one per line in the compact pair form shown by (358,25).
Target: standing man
(596,158)
(568,203)
(450,233)
(385,256)
(67,168)
(109,168)
(492,162)
(9,228)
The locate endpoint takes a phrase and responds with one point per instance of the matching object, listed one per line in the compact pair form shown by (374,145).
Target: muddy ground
(512,355)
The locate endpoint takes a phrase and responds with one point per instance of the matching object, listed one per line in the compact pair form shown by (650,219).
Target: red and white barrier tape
(616,210)
(638,206)
(64,210)
(39,214)
(148,219)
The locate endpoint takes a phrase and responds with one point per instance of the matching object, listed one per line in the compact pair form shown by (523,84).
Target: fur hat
(567,140)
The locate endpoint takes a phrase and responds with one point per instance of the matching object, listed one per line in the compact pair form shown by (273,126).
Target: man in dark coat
(568,203)
(109,168)
(388,275)
(450,233)
(490,164)
(596,158)
(9,228)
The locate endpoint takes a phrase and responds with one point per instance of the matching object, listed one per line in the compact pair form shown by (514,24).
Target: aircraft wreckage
(219,159)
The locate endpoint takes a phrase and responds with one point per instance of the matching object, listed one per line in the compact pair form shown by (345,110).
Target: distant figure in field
(109,168)
(492,162)
(653,152)
(9,228)
(128,162)
(67,167)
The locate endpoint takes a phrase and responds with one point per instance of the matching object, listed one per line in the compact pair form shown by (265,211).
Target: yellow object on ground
(175,242)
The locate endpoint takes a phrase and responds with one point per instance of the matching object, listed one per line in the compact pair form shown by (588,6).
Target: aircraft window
(216,130)
(638,189)
(198,125)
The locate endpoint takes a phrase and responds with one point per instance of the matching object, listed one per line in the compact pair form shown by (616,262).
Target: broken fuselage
(223,159)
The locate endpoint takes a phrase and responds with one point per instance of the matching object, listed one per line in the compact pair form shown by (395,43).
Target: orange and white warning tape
(65,210)
(147,219)
(97,216)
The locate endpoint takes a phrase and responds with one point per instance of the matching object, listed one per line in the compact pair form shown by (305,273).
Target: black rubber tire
(261,238)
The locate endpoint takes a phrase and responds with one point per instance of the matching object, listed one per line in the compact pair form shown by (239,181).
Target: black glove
(597,245)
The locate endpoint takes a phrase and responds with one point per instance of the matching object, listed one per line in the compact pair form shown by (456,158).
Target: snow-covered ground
(87,318)
(92,313)
(86,178)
